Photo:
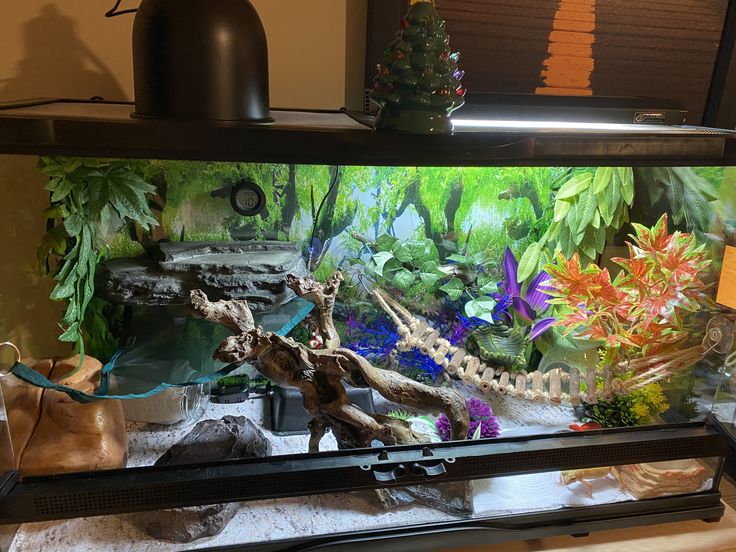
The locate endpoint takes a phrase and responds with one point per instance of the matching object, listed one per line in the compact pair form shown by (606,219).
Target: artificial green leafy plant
(690,199)
(412,267)
(589,208)
(86,195)
(514,315)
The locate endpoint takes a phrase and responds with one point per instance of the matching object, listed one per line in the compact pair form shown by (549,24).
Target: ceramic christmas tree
(418,83)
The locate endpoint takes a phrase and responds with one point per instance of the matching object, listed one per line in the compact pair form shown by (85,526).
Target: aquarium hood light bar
(596,113)
(541,125)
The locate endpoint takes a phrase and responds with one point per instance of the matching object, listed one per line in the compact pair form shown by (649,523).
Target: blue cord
(37,379)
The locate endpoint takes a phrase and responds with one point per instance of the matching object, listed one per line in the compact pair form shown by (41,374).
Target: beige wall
(68,49)
(55,48)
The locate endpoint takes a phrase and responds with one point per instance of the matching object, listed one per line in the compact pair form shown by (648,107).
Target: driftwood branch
(234,315)
(319,374)
(323,297)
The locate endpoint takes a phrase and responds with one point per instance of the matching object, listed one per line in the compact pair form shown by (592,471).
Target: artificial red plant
(646,309)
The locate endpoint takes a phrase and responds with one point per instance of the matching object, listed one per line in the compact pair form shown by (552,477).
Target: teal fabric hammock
(29,375)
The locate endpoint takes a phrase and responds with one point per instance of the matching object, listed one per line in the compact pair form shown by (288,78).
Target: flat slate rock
(229,438)
(251,270)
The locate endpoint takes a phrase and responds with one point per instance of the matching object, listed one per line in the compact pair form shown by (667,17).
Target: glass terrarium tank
(319,335)
(458,313)
(724,405)
(725,400)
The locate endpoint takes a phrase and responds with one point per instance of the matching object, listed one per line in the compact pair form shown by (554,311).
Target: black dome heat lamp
(199,60)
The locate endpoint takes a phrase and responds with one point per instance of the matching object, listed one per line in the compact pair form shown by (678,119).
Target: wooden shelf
(80,128)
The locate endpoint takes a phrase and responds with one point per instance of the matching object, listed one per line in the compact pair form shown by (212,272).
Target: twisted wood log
(319,374)
(323,297)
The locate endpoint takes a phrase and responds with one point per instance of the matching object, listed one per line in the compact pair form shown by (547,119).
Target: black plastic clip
(428,471)
(425,470)
(391,476)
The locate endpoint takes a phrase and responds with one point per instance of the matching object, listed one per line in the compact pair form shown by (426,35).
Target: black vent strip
(140,489)
(195,493)
(294,484)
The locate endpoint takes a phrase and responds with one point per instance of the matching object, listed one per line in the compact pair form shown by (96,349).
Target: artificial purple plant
(528,304)
(481,415)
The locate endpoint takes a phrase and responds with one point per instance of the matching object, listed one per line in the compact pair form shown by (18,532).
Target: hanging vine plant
(87,195)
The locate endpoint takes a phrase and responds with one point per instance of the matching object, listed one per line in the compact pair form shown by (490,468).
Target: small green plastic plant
(413,269)
(636,408)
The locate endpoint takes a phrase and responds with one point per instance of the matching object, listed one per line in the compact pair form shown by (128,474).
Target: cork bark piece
(23,405)
(74,437)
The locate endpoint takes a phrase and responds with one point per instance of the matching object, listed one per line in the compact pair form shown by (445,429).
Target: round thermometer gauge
(247,198)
